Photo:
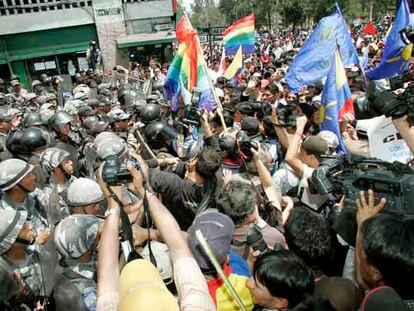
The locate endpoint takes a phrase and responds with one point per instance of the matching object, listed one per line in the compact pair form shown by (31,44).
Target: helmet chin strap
(24,188)
(67,176)
(25,242)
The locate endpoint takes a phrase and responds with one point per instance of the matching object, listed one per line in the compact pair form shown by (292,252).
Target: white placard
(386,143)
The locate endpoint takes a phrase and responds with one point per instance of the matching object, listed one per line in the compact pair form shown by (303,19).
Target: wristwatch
(112,211)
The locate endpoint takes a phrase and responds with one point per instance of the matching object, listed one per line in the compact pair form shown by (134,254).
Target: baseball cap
(265,59)
(330,138)
(15,82)
(218,230)
(142,288)
(315,145)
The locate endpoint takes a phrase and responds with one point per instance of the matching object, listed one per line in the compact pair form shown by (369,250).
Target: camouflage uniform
(11,223)
(76,288)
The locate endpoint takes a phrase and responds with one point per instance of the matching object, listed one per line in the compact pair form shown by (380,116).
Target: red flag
(369,29)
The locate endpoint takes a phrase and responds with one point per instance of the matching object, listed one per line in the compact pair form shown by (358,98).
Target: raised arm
(292,153)
(406,130)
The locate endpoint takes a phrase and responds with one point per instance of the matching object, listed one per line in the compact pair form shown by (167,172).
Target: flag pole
(216,99)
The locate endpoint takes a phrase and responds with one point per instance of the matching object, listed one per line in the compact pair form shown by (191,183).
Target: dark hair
(237,199)
(286,276)
(388,241)
(208,162)
(245,109)
(308,236)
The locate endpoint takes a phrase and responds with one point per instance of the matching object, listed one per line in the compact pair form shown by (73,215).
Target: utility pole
(210,38)
(371,8)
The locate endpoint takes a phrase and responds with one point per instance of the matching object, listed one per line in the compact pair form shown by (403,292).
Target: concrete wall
(110,25)
(148,9)
(45,20)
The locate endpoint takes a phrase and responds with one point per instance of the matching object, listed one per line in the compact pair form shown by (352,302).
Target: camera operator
(303,157)
(353,143)
(384,249)
(406,130)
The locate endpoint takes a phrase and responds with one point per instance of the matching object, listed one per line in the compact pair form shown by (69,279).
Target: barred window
(14,7)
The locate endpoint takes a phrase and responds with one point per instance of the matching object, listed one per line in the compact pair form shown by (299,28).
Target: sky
(187,4)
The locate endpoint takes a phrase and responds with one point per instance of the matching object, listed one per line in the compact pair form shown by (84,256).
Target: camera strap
(126,227)
(147,217)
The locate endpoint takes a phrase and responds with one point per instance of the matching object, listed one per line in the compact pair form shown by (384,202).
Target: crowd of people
(105,191)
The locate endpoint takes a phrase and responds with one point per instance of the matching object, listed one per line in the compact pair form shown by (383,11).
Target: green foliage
(203,16)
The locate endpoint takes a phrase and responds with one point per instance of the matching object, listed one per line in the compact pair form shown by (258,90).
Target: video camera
(192,112)
(115,171)
(246,144)
(383,101)
(348,175)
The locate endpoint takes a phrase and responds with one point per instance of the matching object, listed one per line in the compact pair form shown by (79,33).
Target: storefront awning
(146,39)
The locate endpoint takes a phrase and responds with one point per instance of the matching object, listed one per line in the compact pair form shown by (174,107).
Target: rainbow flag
(187,70)
(241,33)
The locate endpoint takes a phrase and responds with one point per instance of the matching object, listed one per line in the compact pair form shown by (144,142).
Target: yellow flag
(235,65)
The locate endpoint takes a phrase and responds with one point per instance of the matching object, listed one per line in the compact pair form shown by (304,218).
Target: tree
(207,15)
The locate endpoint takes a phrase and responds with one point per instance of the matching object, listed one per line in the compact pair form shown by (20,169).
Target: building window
(17,7)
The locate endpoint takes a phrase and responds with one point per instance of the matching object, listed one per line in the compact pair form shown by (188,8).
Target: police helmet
(60,119)
(11,223)
(26,141)
(36,83)
(53,157)
(12,171)
(33,119)
(150,113)
(157,132)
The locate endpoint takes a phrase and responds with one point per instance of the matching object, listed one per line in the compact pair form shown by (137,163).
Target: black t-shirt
(180,196)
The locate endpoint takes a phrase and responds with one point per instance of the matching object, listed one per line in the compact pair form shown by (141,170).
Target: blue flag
(336,99)
(315,58)
(396,56)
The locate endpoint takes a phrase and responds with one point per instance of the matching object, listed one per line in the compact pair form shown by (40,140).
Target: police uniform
(11,223)
(76,287)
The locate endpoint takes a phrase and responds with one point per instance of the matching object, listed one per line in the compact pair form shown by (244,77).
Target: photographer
(152,293)
(238,200)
